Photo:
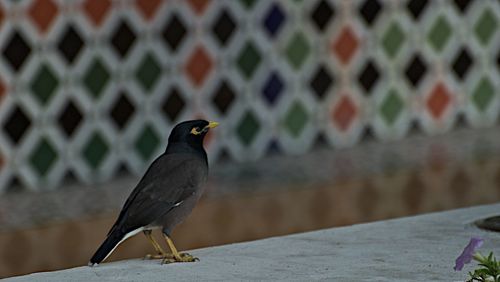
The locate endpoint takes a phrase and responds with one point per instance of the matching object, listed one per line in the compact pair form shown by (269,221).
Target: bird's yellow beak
(212,124)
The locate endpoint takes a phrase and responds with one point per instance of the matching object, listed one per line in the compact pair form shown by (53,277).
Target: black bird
(166,194)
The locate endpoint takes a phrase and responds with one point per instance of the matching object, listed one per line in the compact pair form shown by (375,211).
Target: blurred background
(331,113)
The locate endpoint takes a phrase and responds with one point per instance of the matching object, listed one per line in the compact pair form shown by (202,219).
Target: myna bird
(166,194)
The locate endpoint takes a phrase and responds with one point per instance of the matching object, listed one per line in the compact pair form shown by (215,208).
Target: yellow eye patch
(194,131)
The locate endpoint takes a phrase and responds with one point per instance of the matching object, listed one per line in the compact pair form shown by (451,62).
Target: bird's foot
(182,257)
(158,256)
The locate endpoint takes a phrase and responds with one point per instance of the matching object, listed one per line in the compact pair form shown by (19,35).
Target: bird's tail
(107,247)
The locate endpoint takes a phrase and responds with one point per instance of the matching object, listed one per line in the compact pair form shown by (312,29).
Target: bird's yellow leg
(160,253)
(176,256)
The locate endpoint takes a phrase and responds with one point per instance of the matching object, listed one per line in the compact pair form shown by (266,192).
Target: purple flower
(466,256)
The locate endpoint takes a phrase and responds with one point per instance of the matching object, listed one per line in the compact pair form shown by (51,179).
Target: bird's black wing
(168,181)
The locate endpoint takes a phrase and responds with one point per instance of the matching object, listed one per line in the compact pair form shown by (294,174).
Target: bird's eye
(195,131)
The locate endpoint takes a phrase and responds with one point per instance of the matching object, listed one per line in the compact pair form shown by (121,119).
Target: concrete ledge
(421,248)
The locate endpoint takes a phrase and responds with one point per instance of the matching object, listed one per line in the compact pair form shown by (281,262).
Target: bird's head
(191,131)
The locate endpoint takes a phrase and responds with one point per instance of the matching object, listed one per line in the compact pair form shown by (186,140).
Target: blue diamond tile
(274,20)
(272,88)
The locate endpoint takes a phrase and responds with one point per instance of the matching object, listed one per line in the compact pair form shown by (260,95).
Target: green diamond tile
(297,50)
(148,72)
(485,27)
(147,142)
(439,33)
(391,107)
(296,119)
(247,129)
(96,78)
(43,157)
(95,150)
(248,3)
(393,39)
(483,93)
(248,60)
(44,84)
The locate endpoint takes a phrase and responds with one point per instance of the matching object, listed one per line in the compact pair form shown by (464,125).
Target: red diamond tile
(198,66)
(96,10)
(43,13)
(199,6)
(344,113)
(346,45)
(438,100)
(148,8)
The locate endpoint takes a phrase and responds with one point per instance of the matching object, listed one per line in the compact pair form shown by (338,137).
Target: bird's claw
(183,257)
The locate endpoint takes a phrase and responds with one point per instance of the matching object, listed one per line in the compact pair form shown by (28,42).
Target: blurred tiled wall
(91,87)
